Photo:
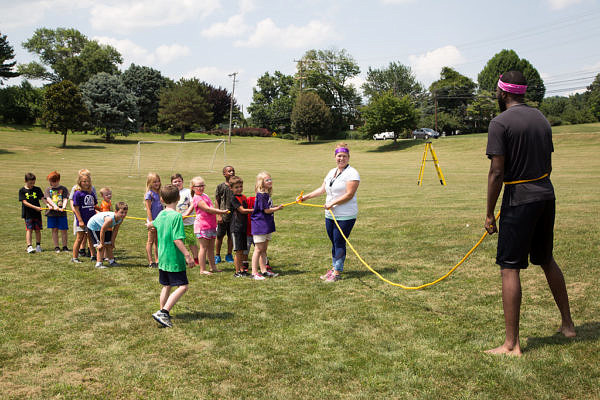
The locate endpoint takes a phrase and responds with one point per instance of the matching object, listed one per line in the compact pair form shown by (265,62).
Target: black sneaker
(163,318)
(57,249)
(237,275)
(65,248)
(92,258)
(113,263)
(87,253)
(270,274)
(245,273)
(81,253)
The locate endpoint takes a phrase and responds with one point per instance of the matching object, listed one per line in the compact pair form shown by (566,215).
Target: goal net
(186,157)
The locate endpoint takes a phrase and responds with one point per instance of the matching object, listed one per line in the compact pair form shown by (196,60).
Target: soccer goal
(189,157)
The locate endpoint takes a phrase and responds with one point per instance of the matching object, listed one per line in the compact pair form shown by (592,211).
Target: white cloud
(133,53)
(246,6)
(356,81)
(234,26)
(16,14)
(427,66)
(131,15)
(214,76)
(267,33)
(560,4)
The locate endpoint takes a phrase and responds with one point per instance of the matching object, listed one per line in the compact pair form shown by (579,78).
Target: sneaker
(163,318)
(38,249)
(245,273)
(113,263)
(257,277)
(333,277)
(93,259)
(57,249)
(238,275)
(327,275)
(81,253)
(217,259)
(99,265)
(229,258)
(76,260)
(270,274)
(153,265)
(87,253)
(65,248)
(30,249)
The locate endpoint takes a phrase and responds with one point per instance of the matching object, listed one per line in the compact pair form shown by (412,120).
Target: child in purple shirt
(84,207)
(263,223)
(153,208)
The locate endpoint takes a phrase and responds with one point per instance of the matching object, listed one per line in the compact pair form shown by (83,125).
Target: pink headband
(511,87)
(342,150)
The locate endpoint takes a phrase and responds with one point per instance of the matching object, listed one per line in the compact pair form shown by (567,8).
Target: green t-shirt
(169,227)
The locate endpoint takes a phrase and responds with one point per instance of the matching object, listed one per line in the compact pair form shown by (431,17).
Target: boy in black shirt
(239,221)
(29,196)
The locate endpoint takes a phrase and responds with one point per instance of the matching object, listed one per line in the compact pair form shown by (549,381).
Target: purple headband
(511,87)
(342,150)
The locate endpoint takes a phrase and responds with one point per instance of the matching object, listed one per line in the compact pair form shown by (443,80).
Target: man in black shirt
(520,148)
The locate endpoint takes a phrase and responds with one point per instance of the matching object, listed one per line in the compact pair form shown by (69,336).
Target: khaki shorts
(261,238)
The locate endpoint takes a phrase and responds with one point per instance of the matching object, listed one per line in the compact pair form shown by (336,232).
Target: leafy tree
(508,60)
(578,110)
(145,84)
(21,104)
(184,107)
(387,112)
(594,97)
(6,54)
(310,116)
(328,72)
(397,78)
(219,100)
(553,108)
(446,122)
(273,99)
(112,106)
(481,110)
(64,109)
(69,54)
(453,92)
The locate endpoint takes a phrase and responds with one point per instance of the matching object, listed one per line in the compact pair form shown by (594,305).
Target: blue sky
(210,39)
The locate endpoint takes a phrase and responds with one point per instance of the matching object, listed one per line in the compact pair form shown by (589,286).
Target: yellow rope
(527,180)
(377,273)
(136,218)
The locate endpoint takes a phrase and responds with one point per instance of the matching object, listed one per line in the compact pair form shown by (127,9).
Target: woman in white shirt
(340,185)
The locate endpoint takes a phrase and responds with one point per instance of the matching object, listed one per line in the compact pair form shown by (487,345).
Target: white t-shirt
(185,200)
(336,187)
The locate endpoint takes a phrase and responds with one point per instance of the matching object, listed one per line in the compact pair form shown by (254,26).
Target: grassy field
(71,331)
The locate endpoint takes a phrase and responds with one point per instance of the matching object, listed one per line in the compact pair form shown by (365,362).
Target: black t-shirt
(524,137)
(239,221)
(33,197)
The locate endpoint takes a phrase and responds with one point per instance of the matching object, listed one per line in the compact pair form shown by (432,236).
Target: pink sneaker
(327,275)
(333,277)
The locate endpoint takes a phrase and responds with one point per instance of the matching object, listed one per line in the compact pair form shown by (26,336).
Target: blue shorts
(58,222)
(33,224)
(172,278)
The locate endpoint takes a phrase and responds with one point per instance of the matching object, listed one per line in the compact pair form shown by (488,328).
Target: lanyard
(337,176)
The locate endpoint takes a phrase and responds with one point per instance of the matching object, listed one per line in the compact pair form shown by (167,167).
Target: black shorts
(240,241)
(224,228)
(95,236)
(172,278)
(526,231)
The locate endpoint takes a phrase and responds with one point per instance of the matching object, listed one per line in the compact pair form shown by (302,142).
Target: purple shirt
(86,202)
(155,205)
(262,223)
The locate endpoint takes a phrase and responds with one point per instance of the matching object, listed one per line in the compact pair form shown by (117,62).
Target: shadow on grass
(590,331)
(79,147)
(318,142)
(361,274)
(398,146)
(4,151)
(100,140)
(191,316)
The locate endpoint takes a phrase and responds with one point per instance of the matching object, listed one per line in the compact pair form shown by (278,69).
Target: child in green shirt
(172,254)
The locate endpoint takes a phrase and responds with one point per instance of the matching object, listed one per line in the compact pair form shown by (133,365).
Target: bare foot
(504,349)
(206,272)
(567,331)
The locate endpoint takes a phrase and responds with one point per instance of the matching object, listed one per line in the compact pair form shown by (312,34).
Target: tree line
(87,92)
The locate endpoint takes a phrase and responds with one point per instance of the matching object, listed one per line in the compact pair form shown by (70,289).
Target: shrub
(260,132)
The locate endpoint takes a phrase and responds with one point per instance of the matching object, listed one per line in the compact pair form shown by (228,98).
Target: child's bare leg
(149,246)
(88,240)
(204,243)
(237,260)
(258,257)
(155,244)
(164,295)
(174,297)
(218,244)
(63,234)
(229,243)
(55,236)
(28,236)
(194,250)
(109,252)
(511,302)
(38,236)
(78,240)
(210,253)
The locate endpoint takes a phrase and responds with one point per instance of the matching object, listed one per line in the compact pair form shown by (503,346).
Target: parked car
(384,135)
(425,133)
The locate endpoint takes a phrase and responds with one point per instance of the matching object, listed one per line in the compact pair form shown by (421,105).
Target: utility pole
(435,101)
(231,104)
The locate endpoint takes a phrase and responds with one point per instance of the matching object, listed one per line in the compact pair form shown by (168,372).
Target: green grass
(70,331)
